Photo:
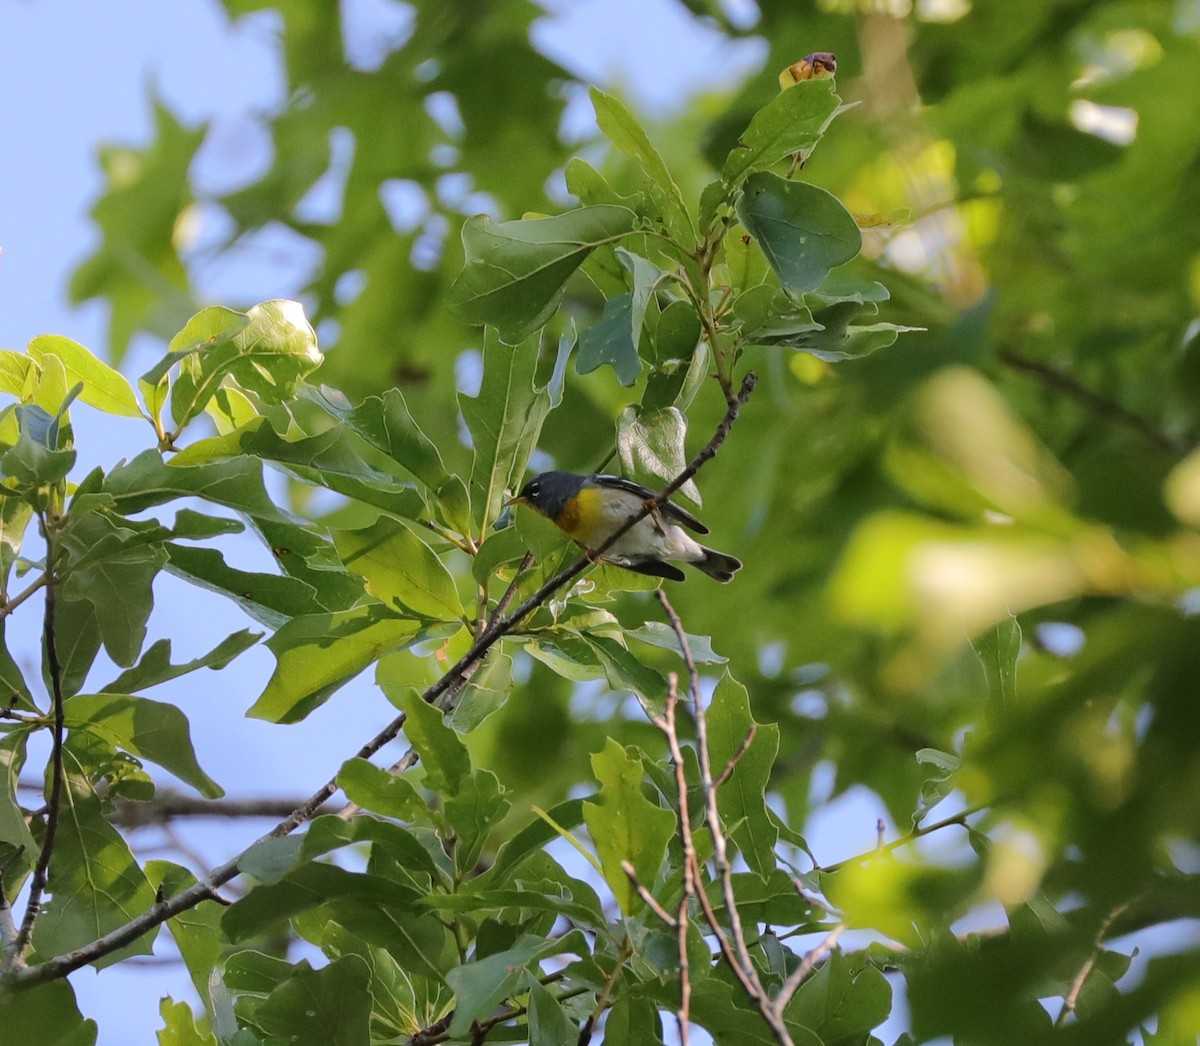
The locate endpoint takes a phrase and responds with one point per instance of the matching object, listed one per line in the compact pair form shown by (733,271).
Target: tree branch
(740,961)
(41,870)
(500,626)
(1071,999)
(1110,410)
(959,818)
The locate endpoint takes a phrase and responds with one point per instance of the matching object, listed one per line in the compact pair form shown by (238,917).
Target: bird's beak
(518,500)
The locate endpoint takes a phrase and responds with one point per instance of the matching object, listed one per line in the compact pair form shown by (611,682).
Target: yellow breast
(582,514)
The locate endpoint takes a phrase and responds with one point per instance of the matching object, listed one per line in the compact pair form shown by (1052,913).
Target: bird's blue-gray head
(550,492)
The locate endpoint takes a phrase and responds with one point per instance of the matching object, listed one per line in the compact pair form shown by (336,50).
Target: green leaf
(400,570)
(549,1024)
(515,271)
(115,572)
(155,666)
(150,729)
(317,654)
(179,1026)
(998,648)
(14,830)
(625,672)
(35,460)
(504,420)
(269,356)
(500,547)
(475,808)
(621,127)
(78,633)
(484,695)
(103,388)
(625,825)
(197,931)
(742,798)
(386,423)
(330,459)
(652,443)
(45,1015)
(443,755)
(804,231)
(530,840)
(309,556)
(15,516)
(659,634)
(147,481)
(479,986)
(843,1000)
(832,336)
(14,691)
(380,792)
(326,1007)
(608,341)
(793,121)
(270,599)
(635,1022)
(311,884)
(14,372)
(98,885)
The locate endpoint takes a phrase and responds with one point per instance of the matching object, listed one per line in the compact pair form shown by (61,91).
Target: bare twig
(796,977)
(41,869)
(440,1031)
(1071,999)
(959,818)
(1102,406)
(20,597)
(741,963)
(61,965)
(646,896)
(585,1032)
(747,741)
(169,806)
(690,864)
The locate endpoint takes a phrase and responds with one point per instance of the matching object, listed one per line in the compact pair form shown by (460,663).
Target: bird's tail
(717,565)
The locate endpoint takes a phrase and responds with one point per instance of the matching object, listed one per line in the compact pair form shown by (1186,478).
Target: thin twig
(690,864)
(1102,406)
(646,896)
(585,1032)
(796,977)
(744,967)
(41,870)
(1071,999)
(170,806)
(61,965)
(959,818)
(747,741)
(440,1031)
(20,597)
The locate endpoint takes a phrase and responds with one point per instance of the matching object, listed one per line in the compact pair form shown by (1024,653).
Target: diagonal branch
(1099,405)
(498,627)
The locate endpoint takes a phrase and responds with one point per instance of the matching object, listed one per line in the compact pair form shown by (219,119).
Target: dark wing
(668,509)
(649,567)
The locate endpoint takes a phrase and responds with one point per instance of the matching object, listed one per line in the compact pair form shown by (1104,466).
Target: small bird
(591,508)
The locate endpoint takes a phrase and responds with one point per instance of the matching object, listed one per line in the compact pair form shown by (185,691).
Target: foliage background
(1047,259)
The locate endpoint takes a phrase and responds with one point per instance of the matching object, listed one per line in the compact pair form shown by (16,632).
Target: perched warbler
(591,508)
